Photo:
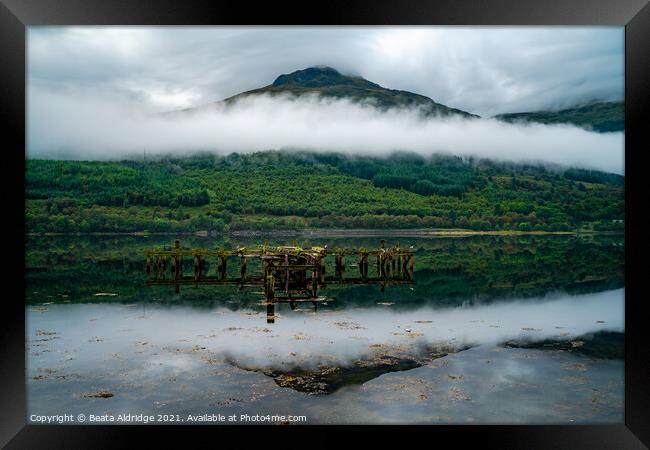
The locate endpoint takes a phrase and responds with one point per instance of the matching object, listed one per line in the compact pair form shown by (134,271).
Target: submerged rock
(100,394)
(326,379)
(602,344)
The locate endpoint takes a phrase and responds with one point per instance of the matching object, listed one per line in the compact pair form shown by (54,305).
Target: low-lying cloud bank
(77,127)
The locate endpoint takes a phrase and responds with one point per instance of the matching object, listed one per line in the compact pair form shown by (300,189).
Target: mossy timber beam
(288,273)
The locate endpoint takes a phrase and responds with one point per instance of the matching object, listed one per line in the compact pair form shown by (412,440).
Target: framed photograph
(413,213)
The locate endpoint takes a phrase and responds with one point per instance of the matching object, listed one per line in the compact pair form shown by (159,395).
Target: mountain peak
(320,76)
(328,82)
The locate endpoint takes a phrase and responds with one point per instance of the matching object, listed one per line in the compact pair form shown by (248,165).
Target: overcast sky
(482,70)
(85,72)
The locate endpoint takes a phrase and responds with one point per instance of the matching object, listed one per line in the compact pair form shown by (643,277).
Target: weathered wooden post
(321,272)
(242,267)
(337,266)
(269,284)
(286,274)
(222,267)
(363,265)
(314,283)
(177,267)
(197,267)
(270,313)
(178,260)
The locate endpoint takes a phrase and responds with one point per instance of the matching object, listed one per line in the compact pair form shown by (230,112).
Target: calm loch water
(494,330)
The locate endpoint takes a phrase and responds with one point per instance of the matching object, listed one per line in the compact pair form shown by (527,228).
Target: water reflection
(488,328)
(447,271)
(288,274)
(315,353)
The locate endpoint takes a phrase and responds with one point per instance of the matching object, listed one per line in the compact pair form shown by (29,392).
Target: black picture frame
(16,15)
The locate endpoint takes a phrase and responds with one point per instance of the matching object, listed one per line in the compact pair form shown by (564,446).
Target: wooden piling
(242,267)
(270,313)
(197,267)
(289,274)
(222,267)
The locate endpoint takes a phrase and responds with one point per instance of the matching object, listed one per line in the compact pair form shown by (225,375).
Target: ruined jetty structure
(287,274)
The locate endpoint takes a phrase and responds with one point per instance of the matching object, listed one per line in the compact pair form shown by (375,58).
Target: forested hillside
(602,117)
(282,190)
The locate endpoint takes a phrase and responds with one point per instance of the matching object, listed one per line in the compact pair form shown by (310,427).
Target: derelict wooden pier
(288,273)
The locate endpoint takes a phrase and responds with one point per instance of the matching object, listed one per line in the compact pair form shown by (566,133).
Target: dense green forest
(295,190)
(603,117)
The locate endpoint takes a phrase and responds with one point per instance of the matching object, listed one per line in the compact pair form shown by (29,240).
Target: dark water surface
(524,329)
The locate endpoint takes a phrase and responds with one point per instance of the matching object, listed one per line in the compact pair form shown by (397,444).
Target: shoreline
(338,232)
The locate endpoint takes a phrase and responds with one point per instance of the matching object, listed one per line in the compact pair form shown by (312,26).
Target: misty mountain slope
(329,83)
(293,190)
(598,116)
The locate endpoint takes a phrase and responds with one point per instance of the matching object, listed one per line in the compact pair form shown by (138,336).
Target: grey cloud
(483,70)
(107,79)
